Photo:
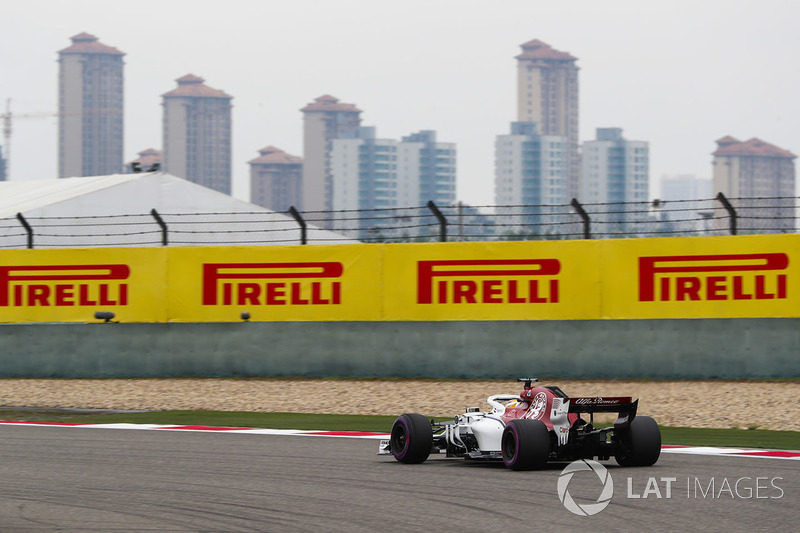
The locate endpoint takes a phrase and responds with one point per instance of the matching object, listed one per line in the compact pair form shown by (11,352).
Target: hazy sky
(679,74)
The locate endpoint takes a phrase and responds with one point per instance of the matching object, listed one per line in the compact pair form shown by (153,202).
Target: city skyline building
(760,177)
(547,94)
(687,203)
(530,167)
(149,160)
(437,168)
(90,125)
(676,187)
(276,179)
(364,170)
(3,176)
(369,173)
(324,120)
(616,170)
(197,133)
(530,171)
(90,108)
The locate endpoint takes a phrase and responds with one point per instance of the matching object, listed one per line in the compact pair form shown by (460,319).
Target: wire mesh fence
(430,223)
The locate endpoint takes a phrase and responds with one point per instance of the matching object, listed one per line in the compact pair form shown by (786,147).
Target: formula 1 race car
(527,430)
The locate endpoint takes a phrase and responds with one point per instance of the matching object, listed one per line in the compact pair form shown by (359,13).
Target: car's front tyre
(525,444)
(411,439)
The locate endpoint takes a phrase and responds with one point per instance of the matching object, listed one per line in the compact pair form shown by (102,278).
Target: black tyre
(412,438)
(525,444)
(639,445)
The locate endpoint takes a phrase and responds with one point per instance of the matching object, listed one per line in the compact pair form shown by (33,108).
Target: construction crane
(9,117)
(8,128)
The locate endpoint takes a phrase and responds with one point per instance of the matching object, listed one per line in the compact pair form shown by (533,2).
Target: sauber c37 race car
(526,430)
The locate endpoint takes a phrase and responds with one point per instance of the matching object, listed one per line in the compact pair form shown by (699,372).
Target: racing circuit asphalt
(69,480)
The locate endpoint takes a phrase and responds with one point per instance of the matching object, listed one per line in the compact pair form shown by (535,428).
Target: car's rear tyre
(412,438)
(640,444)
(525,444)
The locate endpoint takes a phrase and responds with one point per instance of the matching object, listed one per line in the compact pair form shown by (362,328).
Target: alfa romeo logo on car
(587,509)
(538,404)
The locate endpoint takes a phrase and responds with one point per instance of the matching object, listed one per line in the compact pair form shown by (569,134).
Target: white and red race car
(526,430)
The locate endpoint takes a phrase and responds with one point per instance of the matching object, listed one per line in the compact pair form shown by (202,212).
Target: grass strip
(747,438)
(735,438)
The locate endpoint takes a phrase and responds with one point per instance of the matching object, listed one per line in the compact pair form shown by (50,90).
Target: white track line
(694,450)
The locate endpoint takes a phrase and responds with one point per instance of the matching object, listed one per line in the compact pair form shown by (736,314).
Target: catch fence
(429,223)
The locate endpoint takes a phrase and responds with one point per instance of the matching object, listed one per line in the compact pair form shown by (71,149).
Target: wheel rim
(399,438)
(510,447)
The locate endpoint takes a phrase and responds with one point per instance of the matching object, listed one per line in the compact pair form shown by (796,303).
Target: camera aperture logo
(586,509)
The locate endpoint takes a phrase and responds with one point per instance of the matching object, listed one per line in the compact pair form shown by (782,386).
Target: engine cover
(488,432)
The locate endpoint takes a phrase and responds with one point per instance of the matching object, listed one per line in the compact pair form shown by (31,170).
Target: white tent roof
(26,196)
(119,206)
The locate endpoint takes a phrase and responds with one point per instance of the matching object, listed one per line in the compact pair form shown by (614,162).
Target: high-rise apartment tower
(530,169)
(373,173)
(615,169)
(747,171)
(383,175)
(276,179)
(437,168)
(2,165)
(324,119)
(149,160)
(686,203)
(197,133)
(90,107)
(547,94)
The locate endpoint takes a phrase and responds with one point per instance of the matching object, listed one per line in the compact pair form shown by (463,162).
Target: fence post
(299,218)
(587,221)
(731,211)
(460,222)
(442,221)
(162,224)
(27,227)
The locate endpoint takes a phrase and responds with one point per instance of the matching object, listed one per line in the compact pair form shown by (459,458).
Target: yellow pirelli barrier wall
(71,285)
(698,277)
(276,283)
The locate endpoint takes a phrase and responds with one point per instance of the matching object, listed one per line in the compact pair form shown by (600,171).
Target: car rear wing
(624,405)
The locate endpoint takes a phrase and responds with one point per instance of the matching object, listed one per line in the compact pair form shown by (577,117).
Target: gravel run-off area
(741,404)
